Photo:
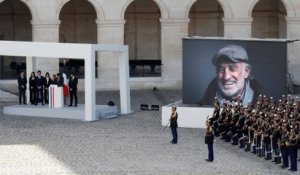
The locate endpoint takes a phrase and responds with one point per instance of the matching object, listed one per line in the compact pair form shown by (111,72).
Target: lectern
(56,98)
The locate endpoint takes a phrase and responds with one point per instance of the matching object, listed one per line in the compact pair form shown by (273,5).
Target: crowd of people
(39,87)
(270,129)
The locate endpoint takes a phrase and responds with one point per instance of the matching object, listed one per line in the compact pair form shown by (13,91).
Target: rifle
(261,150)
(254,140)
(280,155)
(257,144)
(271,137)
(269,148)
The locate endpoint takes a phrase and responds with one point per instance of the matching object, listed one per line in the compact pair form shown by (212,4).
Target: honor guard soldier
(292,150)
(298,143)
(209,140)
(267,143)
(284,149)
(276,136)
(173,125)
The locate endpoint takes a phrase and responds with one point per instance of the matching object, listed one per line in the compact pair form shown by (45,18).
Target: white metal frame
(87,52)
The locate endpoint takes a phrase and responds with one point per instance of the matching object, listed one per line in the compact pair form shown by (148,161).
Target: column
(29,69)
(172,32)
(293,32)
(124,82)
(237,27)
(46,31)
(89,86)
(109,32)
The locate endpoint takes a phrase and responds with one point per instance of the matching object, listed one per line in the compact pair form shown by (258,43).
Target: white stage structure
(87,52)
(188,116)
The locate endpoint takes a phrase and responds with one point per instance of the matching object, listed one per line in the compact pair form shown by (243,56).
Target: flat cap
(232,53)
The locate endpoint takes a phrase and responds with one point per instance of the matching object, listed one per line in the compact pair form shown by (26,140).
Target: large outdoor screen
(223,69)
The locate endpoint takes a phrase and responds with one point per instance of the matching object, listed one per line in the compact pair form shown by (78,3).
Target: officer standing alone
(73,89)
(209,140)
(173,125)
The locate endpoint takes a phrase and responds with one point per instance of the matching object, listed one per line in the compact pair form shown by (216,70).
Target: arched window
(78,25)
(142,35)
(269,19)
(15,25)
(206,19)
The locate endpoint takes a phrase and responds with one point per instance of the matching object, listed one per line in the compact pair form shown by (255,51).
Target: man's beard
(231,89)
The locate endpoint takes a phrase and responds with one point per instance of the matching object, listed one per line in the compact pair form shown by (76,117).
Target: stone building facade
(153,29)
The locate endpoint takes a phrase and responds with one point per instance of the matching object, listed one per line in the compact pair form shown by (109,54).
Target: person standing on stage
(174,125)
(22,81)
(73,81)
(54,79)
(32,88)
(209,140)
(47,83)
(59,80)
(40,87)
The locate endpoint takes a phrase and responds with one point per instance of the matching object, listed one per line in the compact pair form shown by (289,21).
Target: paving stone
(132,144)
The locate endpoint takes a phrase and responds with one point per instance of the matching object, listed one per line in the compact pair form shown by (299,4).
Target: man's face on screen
(231,78)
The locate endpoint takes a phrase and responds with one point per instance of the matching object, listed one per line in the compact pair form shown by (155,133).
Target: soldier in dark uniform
(209,140)
(292,149)
(259,141)
(284,149)
(267,143)
(215,117)
(298,143)
(248,137)
(73,89)
(276,136)
(22,82)
(40,87)
(173,125)
(32,88)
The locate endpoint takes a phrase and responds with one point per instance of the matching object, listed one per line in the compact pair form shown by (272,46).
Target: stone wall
(152,28)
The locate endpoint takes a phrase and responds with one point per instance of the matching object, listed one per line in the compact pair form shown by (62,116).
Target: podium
(56,97)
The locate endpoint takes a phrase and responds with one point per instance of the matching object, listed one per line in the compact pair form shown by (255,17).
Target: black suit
(32,90)
(40,81)
(47,83)
(22,89)
(60,82)
(73,90)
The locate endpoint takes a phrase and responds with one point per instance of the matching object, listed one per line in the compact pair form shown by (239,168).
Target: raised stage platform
(188,116)
(102,111)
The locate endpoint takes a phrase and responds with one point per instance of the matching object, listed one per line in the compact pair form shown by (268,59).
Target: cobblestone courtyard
(131,144)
